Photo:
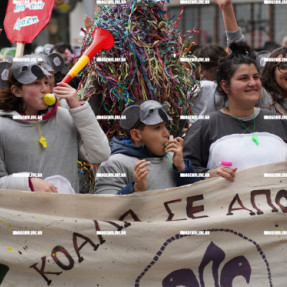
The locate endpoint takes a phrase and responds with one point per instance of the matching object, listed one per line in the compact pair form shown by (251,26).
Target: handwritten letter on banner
(213,233)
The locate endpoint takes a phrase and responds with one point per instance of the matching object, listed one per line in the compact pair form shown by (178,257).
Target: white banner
(212,233)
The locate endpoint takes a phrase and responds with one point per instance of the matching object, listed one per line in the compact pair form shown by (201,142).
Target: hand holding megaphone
(103,39)
(63,94)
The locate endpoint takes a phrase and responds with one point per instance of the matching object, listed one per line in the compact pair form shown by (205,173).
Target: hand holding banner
(211,233)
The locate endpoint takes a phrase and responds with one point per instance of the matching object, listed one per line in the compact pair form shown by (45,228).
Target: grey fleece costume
(70,134)
(162,174)
(159,177)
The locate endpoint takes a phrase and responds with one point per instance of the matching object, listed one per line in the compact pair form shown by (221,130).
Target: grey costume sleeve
(110,185)
(207,100)
(235,36)
(17,181)
(94,145)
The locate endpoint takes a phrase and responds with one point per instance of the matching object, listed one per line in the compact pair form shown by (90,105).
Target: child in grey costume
(144,161)
(39,140)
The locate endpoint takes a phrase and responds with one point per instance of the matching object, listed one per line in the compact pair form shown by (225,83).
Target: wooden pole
(19,50)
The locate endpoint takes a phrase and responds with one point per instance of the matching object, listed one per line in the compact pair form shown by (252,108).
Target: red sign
(25,19)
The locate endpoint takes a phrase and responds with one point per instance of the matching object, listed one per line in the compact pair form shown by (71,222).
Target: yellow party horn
(49,99)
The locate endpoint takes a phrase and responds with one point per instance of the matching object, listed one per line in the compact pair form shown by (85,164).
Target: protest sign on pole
(25,19)
(211,233)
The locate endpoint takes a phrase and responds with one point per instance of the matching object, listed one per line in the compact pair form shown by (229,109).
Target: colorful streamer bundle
(87,176)
(152,47)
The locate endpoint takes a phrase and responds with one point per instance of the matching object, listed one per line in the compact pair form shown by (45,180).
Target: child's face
(33,95)
(155,137)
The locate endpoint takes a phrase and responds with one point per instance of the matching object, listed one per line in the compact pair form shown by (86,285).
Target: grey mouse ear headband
(52,63)
(149,113)
(4,73)
(56,62)
(263,56)
(261,59)
(26,71)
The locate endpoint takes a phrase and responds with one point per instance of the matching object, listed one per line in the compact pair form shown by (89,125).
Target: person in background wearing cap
(39,140)
(143,162)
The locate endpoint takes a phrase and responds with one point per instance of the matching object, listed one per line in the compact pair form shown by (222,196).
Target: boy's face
(154,137)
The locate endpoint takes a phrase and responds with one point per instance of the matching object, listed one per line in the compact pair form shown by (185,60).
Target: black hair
(270,46)
(212,51)
(241,54)
(9,102)
(61,47)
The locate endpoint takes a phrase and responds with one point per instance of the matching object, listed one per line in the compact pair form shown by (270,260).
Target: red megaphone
(103,39)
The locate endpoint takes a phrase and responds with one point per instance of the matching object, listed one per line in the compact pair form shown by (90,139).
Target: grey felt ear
(132,116)
(56,61)
(261,59)
(37,72)
(66,68)
(4,73)
(165,107)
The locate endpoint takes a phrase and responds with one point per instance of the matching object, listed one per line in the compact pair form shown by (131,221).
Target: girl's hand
(226,172)
(223,3)
(43,186)
(175,146)
(140,174)
(65,91)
